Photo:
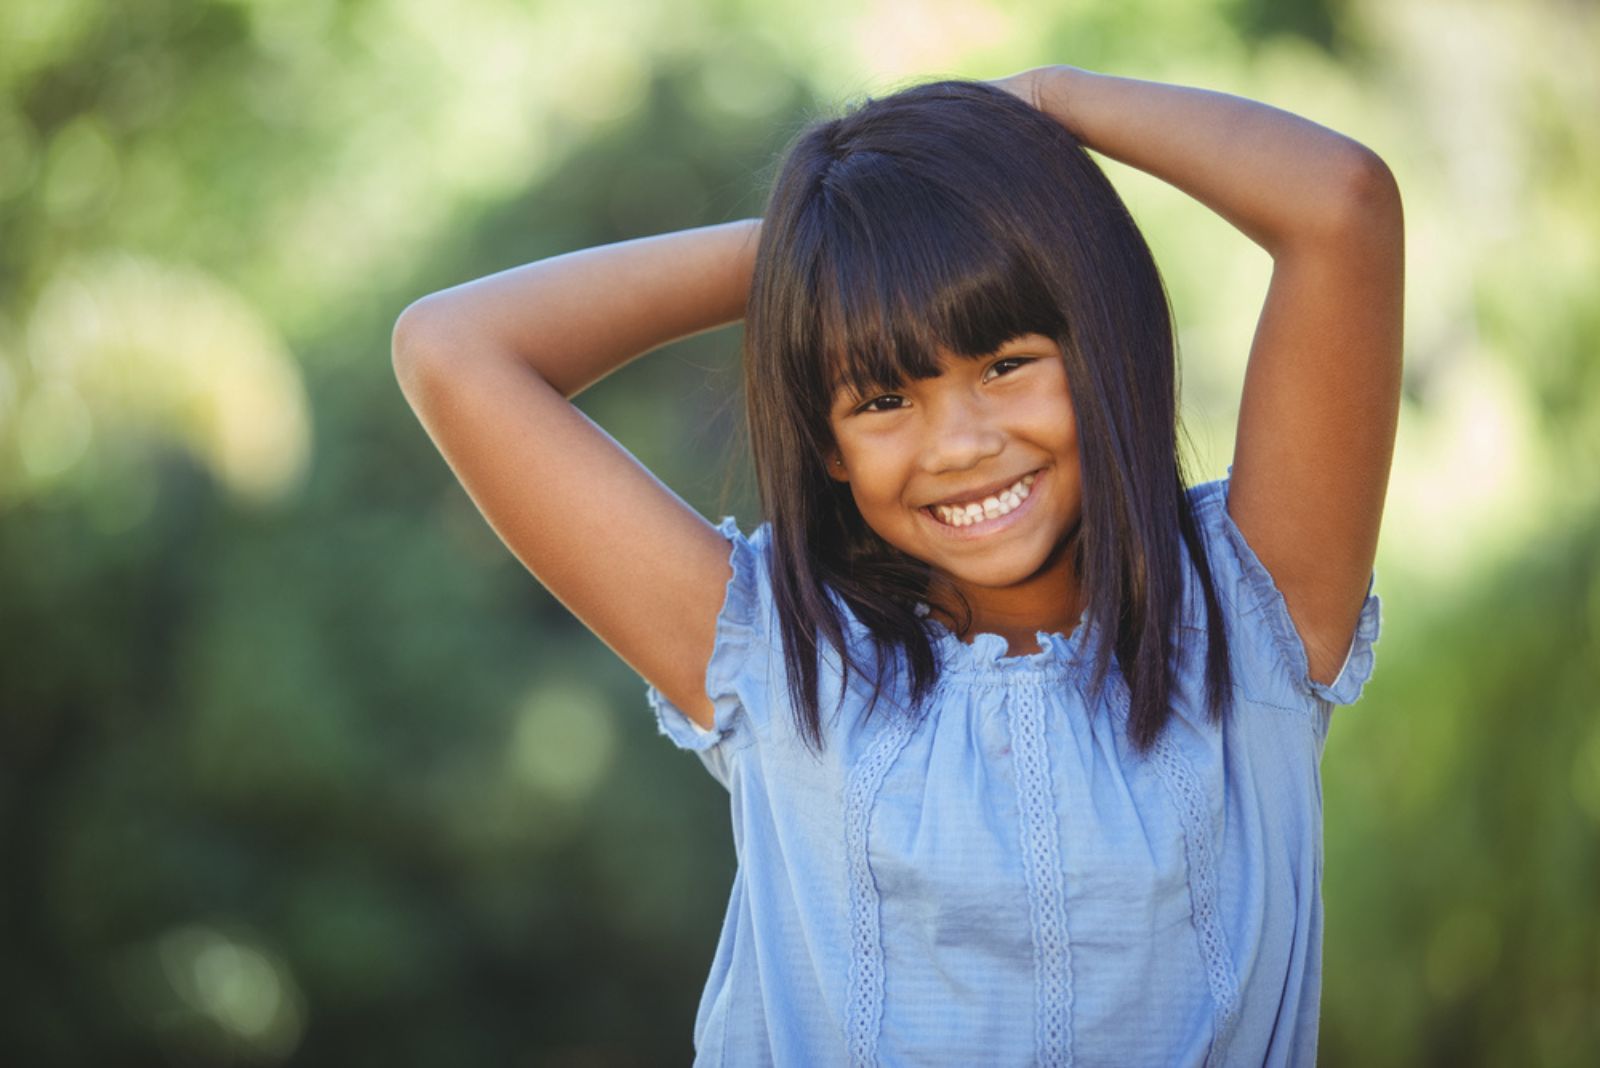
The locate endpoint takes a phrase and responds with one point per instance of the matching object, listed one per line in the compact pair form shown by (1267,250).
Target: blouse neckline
(988,653)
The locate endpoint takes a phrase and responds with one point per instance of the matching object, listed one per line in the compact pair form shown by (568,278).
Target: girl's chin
(992,574)
(1014,565)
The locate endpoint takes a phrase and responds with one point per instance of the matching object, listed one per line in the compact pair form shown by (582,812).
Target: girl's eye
(887,402)
(1005,366)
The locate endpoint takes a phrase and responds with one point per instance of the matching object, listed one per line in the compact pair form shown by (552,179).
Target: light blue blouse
(998,878)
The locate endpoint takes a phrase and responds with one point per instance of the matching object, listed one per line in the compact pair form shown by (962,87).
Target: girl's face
(974,472)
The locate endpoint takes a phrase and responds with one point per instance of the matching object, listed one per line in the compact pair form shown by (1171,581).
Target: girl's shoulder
(1268,654)
(744,624)
(747,676)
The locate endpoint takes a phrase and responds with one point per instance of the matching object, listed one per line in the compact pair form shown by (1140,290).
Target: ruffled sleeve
(1275,649)
(739,657)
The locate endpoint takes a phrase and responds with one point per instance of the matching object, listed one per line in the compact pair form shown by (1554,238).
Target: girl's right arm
(488,367)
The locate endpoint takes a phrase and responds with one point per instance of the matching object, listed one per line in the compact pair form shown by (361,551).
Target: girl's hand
(1024,86)
(1042,88)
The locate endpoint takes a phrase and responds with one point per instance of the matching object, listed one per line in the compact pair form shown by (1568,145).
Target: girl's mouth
(970,513)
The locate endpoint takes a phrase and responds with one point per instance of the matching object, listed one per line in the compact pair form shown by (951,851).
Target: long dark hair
(954,215)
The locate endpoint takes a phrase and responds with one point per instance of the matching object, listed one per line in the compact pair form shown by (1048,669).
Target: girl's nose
(960,436)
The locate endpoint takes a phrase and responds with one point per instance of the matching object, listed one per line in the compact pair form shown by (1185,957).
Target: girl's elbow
(422,345)
(1355,207)
(422,328)
(1369,198)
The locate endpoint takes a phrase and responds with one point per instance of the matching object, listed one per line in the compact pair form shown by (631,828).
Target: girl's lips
(987,526)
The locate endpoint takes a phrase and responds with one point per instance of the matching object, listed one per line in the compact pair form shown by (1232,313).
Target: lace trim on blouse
(1041,863)
(864,999)
(1187,797)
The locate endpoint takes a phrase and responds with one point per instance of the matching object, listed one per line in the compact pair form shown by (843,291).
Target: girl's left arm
(1322,388)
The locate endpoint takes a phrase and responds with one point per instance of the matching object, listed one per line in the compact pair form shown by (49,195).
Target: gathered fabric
(994,875)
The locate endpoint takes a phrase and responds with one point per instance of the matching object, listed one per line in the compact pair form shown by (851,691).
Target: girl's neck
(1018,613)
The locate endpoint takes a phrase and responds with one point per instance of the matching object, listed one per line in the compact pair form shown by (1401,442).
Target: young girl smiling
(1021,733)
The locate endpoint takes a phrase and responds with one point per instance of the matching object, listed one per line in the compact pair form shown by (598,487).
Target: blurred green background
(298,765)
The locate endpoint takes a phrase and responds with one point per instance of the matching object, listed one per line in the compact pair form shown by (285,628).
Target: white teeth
(992,507)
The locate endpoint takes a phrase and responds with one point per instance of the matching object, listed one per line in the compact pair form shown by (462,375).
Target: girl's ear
(835,465)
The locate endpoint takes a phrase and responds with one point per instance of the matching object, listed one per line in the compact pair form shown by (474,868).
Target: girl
(1022,736)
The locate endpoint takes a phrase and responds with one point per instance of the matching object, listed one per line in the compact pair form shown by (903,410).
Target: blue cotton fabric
(996,877)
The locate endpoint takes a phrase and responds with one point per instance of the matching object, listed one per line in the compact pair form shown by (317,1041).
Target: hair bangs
(910,271)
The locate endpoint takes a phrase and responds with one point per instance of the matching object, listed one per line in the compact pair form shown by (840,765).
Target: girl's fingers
(1023,85)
